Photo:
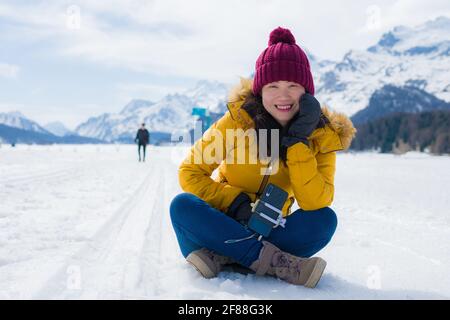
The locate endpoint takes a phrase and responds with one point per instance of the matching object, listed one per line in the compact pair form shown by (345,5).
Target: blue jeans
(199,225)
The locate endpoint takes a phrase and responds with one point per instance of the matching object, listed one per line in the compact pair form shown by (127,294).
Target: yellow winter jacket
(308,177)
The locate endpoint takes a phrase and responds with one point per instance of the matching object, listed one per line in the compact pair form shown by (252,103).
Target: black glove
(304,122)
(240,209)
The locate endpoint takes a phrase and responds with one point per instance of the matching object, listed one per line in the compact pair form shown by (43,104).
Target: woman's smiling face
(282,99)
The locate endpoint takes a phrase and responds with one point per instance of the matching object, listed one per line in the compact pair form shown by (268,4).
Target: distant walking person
(142,138)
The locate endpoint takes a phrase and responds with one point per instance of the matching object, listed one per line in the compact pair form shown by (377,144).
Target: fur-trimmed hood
(339,123)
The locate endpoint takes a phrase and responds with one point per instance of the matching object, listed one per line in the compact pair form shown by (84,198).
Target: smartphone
(275,197)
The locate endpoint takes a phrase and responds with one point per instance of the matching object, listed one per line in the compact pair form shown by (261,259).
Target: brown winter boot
(207,262)
(287,267)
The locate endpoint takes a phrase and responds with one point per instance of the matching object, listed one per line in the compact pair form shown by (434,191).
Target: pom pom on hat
(281,35)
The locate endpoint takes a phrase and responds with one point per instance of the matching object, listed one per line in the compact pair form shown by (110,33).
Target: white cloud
(209,39)
(413,12)
(9,70)
(402,12)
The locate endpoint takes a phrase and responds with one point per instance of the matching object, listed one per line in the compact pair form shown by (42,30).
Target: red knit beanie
(284,60)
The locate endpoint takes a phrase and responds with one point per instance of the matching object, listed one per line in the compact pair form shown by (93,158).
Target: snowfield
(91,222)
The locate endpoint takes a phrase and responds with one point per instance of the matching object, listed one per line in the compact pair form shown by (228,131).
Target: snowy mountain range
(418,56)
(172,113)
(391,99)
(210,95)
(17,128)
(58,129)
(14,135)
(18,120)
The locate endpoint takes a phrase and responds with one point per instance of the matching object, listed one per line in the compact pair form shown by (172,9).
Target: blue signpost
(203,115)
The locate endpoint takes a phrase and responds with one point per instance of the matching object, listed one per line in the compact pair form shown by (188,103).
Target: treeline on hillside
(403,132)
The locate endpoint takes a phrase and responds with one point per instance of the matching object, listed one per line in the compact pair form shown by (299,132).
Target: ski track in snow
(125,251)
(105,255)
(133,254)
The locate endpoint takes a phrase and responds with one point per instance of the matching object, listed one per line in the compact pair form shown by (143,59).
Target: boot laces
(218,259)
(284,263)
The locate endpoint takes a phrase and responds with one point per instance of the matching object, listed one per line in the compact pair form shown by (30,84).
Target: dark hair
(264,120)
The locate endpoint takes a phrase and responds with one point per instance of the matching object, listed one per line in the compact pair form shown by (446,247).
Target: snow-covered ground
(81,222)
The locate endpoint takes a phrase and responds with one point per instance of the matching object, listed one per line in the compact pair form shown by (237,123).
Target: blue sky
(69,60)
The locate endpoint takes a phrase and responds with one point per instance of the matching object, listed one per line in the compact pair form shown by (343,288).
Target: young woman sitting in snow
(213,211)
